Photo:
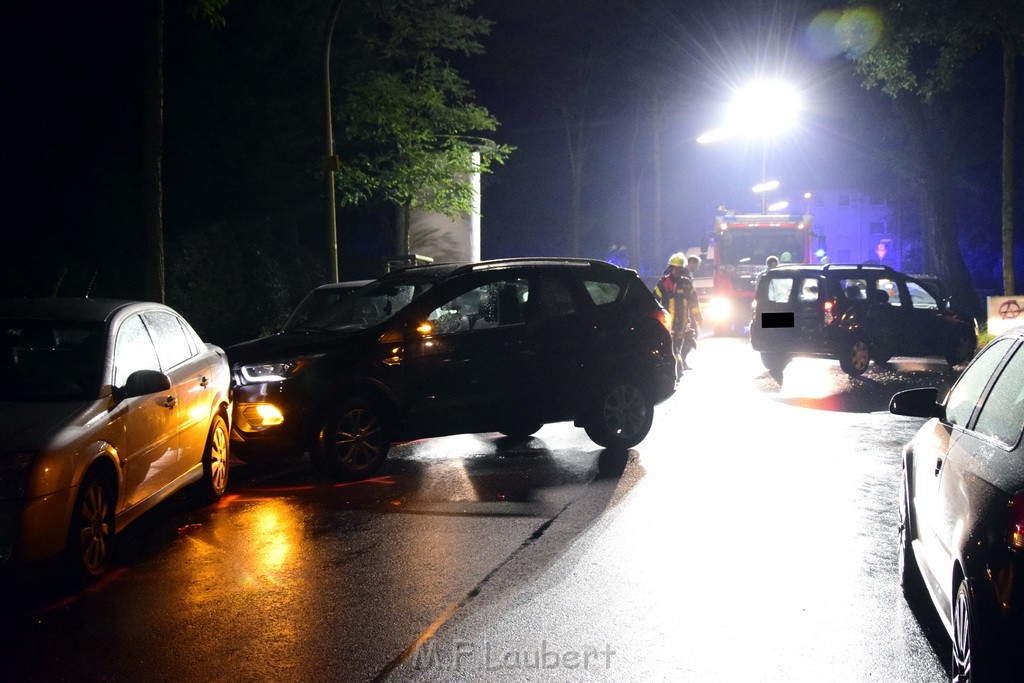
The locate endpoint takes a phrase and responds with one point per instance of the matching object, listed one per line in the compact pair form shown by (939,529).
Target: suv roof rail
(536,260)
(858,266)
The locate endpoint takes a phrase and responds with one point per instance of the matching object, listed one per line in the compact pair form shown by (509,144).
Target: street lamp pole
(331,161)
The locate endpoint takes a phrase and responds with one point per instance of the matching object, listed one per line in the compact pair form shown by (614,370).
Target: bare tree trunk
(940,234)
(153,152)
(659,236)
(634,187)
(1009,100)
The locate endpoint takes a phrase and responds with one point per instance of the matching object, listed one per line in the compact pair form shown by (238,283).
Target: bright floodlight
(764,108)
(766,186)
(778,206)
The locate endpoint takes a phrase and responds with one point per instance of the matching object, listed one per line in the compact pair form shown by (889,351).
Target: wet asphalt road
(750,537)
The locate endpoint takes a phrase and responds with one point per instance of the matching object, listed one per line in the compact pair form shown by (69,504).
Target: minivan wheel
(91,532)
(775,363)
(856,358)
(962,351)
(354,440)
(620,416)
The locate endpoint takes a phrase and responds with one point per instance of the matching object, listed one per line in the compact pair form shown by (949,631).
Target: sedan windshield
(51,360)
(368,306)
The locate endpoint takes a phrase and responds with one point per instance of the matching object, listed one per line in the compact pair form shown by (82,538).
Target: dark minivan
(506,345)
(855,314)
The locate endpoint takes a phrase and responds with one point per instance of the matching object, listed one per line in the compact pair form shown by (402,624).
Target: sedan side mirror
(917,403)
(142,383)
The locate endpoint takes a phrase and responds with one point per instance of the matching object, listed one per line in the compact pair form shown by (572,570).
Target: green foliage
(926,43)
(409,124)
(210,11)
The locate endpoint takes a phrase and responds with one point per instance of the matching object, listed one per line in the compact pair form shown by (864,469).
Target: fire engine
(741,243)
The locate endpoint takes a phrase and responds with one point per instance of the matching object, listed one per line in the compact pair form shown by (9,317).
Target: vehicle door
(566,337)
(977,457)
(190,374)
(150,423)
(465,365)
(886,318)
(783,321)
(931,478)
(924,333)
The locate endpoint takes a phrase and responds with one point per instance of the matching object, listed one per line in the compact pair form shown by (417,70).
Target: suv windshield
(368,306)
(50,360)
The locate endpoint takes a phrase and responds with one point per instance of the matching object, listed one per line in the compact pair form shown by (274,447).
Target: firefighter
(675,291)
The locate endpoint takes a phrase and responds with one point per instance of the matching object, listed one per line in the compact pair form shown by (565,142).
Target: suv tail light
(1015,525)
(828,311)
(665,319)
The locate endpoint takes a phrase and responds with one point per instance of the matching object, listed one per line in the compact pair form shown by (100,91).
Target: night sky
(243,137)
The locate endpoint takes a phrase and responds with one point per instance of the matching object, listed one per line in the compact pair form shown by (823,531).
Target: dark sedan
(962,509)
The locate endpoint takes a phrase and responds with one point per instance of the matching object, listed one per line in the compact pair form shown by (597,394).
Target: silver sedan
(106,409)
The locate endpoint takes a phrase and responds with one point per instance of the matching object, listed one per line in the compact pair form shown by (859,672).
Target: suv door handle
(938,466)
(204,381)
(170,402)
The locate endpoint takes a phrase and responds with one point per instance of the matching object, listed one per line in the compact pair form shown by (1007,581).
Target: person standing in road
(675,292)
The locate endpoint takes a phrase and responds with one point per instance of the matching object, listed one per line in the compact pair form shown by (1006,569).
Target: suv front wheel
(354,440)
(620,416)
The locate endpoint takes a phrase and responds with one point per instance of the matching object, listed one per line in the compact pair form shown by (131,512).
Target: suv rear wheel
(620,416)
(855,357)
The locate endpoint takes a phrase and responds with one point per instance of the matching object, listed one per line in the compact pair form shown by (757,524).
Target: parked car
(962,509)
(316,308)
(506,345)
(855,314)
(106,408)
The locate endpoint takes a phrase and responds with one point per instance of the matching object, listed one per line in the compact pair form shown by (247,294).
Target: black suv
(855,314)
(505,346)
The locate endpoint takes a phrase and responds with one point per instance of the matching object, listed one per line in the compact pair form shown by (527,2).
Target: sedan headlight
(274,371)
(14,475)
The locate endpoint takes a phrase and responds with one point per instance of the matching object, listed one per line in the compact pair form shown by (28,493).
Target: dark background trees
(602,99)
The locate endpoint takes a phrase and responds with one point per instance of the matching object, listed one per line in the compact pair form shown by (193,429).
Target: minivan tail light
(1015,527)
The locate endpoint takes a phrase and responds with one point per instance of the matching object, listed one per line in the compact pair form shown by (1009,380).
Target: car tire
(91,531)
(969,662)
(521,430)
(354,441)
(964,346)
(775,362)
(856,357)
(620,415)
(216,463)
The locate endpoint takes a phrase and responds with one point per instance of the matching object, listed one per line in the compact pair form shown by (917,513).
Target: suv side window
(920,297)
(602,292)
(809,289)
(494,304)
(966,393)
(551,298)
(779,289)
(1002,416)
(854,290)
(891,289)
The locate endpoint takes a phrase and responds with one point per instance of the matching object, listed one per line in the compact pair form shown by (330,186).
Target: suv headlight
(274,371)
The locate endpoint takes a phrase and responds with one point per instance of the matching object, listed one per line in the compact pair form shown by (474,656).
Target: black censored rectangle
(777,320)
